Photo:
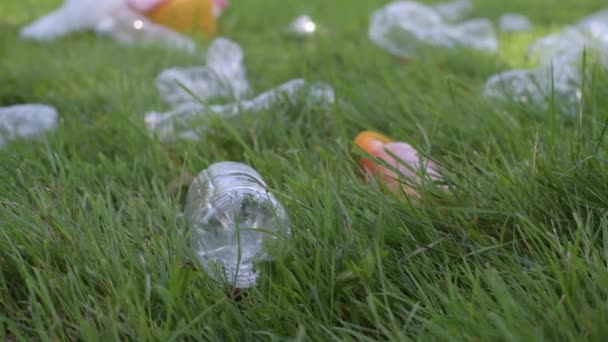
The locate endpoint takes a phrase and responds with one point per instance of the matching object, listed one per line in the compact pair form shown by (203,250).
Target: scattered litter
(403,27)
(514,22)
(536,87)
(180,122)
(400,166)
(559,75)
(224,76)
(567,47)
(130,21)
(454,11)
(26,121)
(232,215)
(302,26)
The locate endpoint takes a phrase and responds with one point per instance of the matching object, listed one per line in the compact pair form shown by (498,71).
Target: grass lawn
(92,246)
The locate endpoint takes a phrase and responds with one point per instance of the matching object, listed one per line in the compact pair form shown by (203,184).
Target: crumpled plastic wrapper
(514,22)
(26,121)
(179,122)
(224,76)
(405,27)
(114,18)
(560,56)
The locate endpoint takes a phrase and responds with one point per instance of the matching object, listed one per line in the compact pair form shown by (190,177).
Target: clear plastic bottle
(231,213)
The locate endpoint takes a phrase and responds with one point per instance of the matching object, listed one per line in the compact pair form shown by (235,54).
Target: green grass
(92,246)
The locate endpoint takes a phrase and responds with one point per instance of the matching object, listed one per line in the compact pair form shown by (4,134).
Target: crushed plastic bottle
(514,22)
(405,27)
(224,76)
(231,215)
(560,72)
(454,11)
(316,93)
(567,47)
(181,121)
(588,34)
(536,87)
(26,121)
(560,48)
(522,85)
(131,28)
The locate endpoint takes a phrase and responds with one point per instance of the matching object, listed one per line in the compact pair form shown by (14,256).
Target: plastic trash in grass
(188,120)
(224,76)
(405,27)
(232,215)
(26,121)
(559,76)
(567,46)
(514,22)
(130,21)
(536,87)
(398,164)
